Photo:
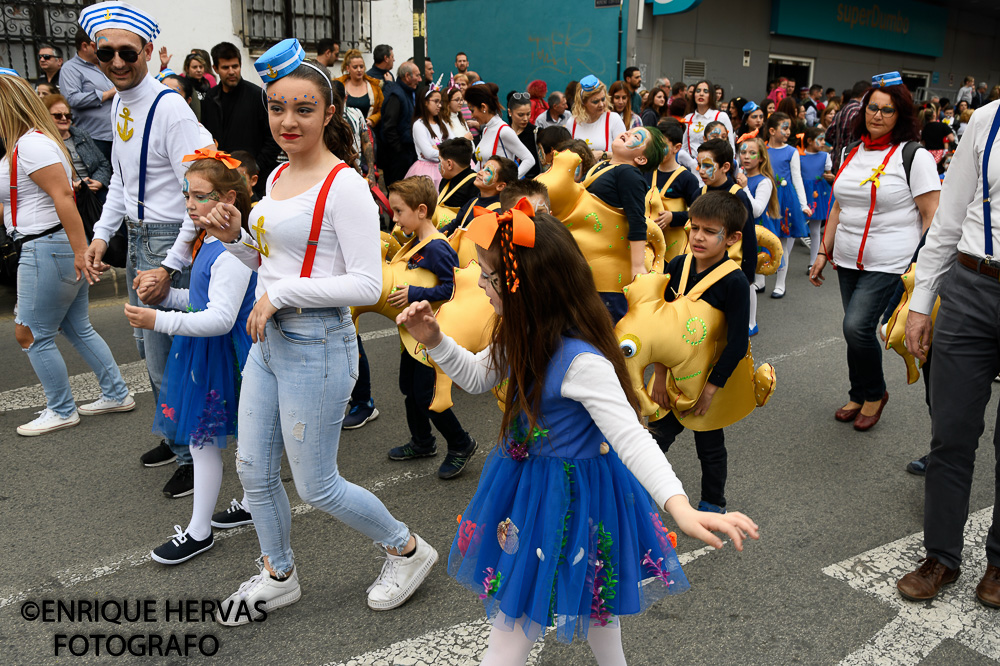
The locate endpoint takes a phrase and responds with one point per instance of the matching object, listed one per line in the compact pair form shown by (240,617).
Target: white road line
(85,387)
(801,351)
(462,644)
(921,627)
(82,574)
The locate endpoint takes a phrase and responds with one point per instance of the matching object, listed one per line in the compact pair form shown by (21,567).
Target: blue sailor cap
(750,107)
(165,73)
(9,72)
(118,15)
(281,59)
(887,79)
(589,82)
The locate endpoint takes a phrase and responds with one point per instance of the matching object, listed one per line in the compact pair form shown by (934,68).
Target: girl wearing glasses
(592,121)
(52,287)
(429,130)
(875,223)
(702,111)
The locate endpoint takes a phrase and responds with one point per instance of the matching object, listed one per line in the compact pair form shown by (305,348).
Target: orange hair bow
(802,143)
(748,135)
(209,154)
(516,227)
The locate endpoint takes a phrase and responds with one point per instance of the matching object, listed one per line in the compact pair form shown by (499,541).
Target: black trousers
(711,448)
(966,359)
(416,381)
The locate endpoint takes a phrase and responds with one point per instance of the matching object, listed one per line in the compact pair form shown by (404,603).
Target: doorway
(914,80)
(791,67)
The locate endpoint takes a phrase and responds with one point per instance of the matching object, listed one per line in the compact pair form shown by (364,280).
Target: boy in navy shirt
(413,201)
(496,174)
(715,158)
(683,186)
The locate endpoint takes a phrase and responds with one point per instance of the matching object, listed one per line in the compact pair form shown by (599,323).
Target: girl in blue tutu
(564,530)
(792,203)
(758,183)
(817,175)
(200,393)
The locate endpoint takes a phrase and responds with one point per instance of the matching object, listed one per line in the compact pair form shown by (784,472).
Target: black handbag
(9,256)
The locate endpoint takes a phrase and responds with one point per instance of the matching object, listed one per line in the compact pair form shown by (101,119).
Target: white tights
(815,232)
(207,481)
(753,306)
(787,245)
(511,647)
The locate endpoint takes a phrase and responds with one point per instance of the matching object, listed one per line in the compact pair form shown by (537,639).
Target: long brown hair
(423,114)
(626,113)
(773,209)
(21,110)
(556,298)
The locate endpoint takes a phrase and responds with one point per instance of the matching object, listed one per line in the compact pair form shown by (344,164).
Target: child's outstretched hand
(140,317)
(702,524)
(419,320)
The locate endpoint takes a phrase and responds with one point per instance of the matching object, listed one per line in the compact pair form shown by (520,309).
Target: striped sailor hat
(887,79)
(8,71)
(108,15)
(281,59)
(164,73)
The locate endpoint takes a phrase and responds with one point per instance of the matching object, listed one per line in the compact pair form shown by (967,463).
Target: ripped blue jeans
(296,386)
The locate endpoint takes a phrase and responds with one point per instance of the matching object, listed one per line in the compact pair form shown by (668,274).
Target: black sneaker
(181,484)
(454,463)
(409,451)
(234,516)
(181,548)
(161,455)
(358,415)
(918,466)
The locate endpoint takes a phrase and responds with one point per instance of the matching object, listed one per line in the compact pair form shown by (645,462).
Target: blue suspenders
(144,154)
(987,226)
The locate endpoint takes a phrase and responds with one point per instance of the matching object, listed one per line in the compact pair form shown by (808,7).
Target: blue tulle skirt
(791,222)
(200,393)
(563,543)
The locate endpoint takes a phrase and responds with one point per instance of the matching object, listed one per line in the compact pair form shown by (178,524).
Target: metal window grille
(266,22)
(25,25)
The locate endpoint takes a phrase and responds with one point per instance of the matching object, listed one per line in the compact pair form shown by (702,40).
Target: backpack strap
(317,221)
(909,150)
(720,271)
(144,155)
(670,181)
(594,174)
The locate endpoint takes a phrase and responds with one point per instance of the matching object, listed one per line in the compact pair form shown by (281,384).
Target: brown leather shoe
(925,583)
(988,590)
(863,423)
(846,415)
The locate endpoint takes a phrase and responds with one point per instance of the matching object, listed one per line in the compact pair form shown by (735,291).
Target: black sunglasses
(107,55)
(62,116)
(46,56)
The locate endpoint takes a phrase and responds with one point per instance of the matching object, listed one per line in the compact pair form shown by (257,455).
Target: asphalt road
(839,521)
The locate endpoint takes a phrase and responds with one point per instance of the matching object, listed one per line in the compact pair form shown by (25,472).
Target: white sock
(753,307)
(507,648)
(815,229)
(779,285)
(759,281)
(606,644)
(207,481)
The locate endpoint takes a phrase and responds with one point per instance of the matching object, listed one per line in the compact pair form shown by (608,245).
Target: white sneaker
(107,405)
(259,595)
(47,422)
(401,576)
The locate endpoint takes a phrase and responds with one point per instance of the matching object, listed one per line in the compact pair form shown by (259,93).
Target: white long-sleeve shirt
(347,268)
(762,198)
(226,289)
(694,132)
(958,225)
(426,141)
(591,381)
(508,145)
(173,134)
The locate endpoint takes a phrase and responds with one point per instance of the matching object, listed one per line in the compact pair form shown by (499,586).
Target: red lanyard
(871,208)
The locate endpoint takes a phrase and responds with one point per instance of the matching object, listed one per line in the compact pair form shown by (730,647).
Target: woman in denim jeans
(52,277)
(304,363)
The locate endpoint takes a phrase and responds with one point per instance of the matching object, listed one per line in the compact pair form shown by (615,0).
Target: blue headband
(750,107)
(165,73)
(9,72)
(887,79)
(589,83)
(281,59)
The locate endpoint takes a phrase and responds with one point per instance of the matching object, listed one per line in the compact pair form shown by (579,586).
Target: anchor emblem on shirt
(258,229)
(124,131)
(698,127)
(271,74)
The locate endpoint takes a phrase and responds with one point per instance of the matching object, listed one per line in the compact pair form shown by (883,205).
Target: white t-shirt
(694,131)
(36,212)
(599,134)
(347,266)
(896,222)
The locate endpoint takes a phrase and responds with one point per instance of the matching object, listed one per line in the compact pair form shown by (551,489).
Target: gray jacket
(97,164)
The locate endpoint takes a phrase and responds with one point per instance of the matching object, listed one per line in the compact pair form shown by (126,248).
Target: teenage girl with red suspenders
(314,242)
(497,136)
(703,114)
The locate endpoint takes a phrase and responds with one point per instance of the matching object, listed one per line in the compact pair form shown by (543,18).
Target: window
(27,24)
(266,22)
(794,67)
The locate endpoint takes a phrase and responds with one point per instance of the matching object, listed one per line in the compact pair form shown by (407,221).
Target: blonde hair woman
(592,121)
(362,91)
(53,276)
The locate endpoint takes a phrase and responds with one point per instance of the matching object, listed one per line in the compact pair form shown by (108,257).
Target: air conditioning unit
(694,71)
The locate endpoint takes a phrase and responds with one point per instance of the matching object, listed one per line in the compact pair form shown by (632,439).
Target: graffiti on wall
(569,51)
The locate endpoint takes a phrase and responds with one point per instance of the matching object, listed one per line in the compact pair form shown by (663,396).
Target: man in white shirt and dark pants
(958,264)
(147,198)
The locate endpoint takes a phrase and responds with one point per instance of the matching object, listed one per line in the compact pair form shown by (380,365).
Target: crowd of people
(251,220)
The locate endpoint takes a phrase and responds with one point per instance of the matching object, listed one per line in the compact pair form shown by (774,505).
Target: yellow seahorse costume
(895,337)
(687,335)
(600,230)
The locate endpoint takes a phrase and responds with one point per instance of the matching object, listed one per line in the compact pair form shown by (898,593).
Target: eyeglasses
(46,56)
(887,111)
(62,116)
(520,95)
(107,55)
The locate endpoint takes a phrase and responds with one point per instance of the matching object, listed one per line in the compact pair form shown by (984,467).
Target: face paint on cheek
(186,187)
(785,126)
(489,175)
(721,235)
(637,139)
(707,170)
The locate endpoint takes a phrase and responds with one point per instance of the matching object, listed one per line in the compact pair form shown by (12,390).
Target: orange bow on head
(516,227)
(209,154)
(748,135)
(802,143)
